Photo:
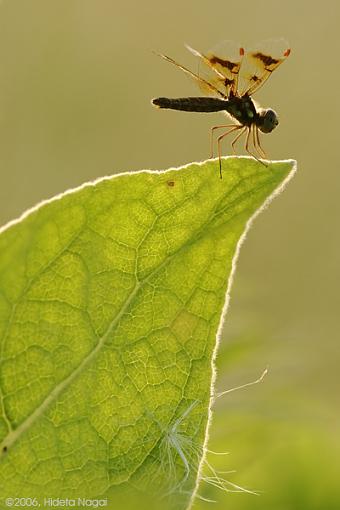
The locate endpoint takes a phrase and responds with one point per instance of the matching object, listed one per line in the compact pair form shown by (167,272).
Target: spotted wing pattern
(225,69)
(230,70)
(236,71)
(256,68)
(207,85)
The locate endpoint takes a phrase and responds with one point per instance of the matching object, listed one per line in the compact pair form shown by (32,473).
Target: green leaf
(111,298)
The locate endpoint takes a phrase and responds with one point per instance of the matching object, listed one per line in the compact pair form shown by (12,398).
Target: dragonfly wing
(202,82)
(259,64)
(222,65)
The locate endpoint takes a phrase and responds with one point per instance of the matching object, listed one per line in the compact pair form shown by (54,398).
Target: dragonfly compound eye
(268,120)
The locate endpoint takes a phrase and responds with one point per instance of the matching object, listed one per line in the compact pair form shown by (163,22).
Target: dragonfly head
(267,120)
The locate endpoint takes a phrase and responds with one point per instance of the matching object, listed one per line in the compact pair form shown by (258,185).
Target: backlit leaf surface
(111,297)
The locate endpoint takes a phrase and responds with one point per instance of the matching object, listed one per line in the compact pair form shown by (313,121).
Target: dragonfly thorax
(242,109)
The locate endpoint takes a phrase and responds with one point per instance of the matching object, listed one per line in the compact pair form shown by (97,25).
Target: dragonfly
(232,75)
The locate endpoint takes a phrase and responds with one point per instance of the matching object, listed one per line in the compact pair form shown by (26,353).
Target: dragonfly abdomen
(191,104)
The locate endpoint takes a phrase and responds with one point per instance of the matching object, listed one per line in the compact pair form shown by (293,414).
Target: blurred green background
(75,88)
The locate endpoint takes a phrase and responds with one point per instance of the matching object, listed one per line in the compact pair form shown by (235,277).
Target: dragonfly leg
(212,136)
(219,140)
(248,150)
(258,146)
(237,138)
